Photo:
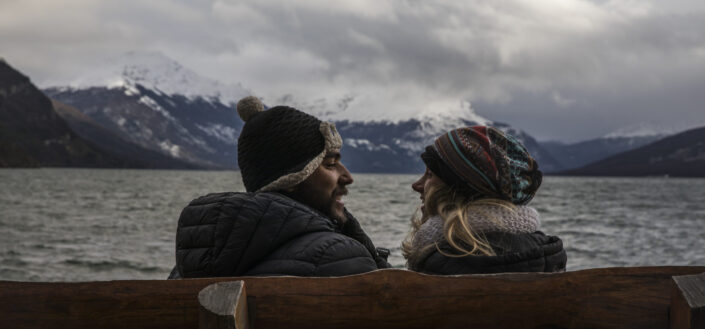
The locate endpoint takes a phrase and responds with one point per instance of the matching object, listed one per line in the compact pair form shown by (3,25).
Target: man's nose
(346,176)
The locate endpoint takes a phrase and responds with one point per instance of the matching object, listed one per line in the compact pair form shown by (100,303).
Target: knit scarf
(486,218)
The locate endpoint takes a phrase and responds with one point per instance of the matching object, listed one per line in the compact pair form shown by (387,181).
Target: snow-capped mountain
(624,139)
(154,102)
(652,129)
(395,145)
(33,133)
(160,74)
(325,109)
(679,155)
(580,154)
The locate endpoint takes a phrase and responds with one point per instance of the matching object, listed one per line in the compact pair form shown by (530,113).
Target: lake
(110,224)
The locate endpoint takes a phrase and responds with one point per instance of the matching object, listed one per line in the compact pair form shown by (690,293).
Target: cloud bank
(564,69)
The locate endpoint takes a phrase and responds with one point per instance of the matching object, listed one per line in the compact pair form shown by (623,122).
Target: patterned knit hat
(280,147)
(484,162)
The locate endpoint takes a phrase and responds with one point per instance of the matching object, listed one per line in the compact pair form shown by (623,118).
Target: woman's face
(422,184)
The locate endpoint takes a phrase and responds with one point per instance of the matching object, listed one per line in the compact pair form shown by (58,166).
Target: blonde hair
(453,207)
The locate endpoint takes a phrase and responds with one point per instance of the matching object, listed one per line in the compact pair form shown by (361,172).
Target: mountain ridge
(157,72)
(145,126)
(679,155)
(194,130)
(582,153)
(203,130)
(32,134)
(88,129)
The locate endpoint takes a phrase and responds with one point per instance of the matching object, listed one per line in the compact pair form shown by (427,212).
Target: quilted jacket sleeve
(531,252)
(353,229)
(318,254)
(236,234)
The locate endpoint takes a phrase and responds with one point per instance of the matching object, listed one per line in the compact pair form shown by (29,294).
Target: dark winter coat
(243,234)
(527,252)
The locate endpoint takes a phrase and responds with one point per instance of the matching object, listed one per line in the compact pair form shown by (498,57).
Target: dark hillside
(680,155)
(583,153)
(32,134)
(107,140)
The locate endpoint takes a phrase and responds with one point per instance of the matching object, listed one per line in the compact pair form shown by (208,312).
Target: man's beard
(328,209)
(333,206)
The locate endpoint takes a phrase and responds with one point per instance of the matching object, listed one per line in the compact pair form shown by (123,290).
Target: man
(293,219)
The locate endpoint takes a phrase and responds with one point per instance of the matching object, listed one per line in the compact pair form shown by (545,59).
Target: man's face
(324,189)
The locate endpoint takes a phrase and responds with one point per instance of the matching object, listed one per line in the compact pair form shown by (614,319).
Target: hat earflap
(333,142)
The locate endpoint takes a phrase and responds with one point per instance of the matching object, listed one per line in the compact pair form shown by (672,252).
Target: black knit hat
(280,147)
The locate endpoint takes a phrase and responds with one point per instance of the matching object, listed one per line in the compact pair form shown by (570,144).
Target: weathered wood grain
(597,298)
(223,305)
(688,302)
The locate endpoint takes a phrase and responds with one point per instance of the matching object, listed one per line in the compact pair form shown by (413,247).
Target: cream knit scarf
(487,218)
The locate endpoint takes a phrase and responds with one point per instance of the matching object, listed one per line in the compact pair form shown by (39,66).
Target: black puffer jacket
(240,234)
(529,252)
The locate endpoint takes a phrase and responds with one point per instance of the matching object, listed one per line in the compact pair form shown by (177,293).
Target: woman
(474,217)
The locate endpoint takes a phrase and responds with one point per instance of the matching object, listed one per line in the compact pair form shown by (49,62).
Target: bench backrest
(596,298)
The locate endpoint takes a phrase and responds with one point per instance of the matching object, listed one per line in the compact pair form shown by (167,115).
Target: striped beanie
(282,146)
(484,162)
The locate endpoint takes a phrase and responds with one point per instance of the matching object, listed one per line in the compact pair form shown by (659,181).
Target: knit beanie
(484,162)
(280,147)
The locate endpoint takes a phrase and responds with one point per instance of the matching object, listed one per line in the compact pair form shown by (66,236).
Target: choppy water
(86,224)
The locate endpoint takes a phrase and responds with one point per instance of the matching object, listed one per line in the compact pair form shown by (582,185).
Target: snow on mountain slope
(625,139)
(447,118)
(680,155)
(157,72)
(153,101)
(651,129)
(367,108)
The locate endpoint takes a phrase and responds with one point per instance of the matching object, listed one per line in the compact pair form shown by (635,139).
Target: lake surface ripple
(96,224)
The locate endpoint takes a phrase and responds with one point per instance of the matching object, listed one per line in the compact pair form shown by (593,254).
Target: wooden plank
(596,298)
(223,305)
(604,298)
(688,302)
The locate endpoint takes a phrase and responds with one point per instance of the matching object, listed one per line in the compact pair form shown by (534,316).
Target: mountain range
(34,132)
(197,131)
(144,98)
(145,110)
(680,155)
(580,154)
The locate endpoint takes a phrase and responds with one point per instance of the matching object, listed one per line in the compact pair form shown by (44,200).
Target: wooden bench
(642,297)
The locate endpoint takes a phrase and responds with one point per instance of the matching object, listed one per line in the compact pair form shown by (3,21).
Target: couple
(292,220)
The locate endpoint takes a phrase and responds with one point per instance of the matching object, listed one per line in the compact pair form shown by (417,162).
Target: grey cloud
(595,64)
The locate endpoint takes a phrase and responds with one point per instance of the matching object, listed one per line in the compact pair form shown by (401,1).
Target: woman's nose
(418,185)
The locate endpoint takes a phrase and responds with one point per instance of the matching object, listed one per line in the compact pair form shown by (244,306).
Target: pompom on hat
(248,107)
(280,147)
(484,162)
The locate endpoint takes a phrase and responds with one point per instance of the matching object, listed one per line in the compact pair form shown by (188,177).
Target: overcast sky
(568,70)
